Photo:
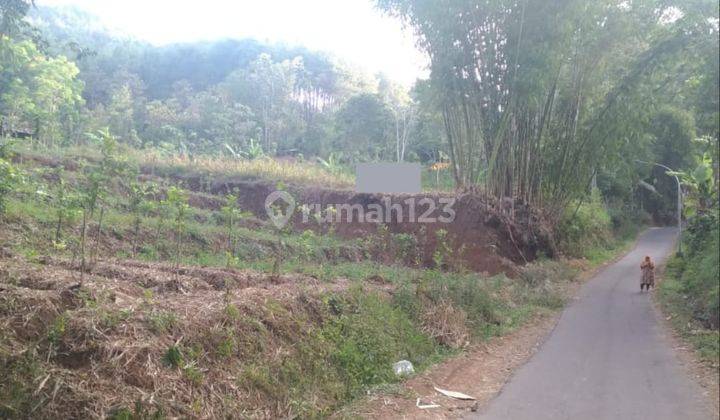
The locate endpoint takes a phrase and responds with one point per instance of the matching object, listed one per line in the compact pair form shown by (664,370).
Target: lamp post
(679,200)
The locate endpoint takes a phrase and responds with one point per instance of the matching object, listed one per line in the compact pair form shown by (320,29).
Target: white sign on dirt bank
(388,178)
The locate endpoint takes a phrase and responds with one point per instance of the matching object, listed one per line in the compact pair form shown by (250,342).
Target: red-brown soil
(483,238)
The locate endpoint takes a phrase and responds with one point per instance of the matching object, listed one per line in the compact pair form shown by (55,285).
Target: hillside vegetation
(140,275)
(690,291)
(159,304)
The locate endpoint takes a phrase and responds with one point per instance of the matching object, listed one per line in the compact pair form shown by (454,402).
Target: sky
(353,30)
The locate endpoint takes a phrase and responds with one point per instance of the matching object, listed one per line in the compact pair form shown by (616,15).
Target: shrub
(626,221)
(9,178)
(471,294)
(368,336)
(161,321)
(194,375)
(231,311)
(17,387)
(446,324)
(585,225)
(173,357)
(700,269)
(407,248)
(442,249)
(57,329)
(542,273)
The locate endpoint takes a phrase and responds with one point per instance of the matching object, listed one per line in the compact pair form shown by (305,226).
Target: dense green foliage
(690,290)
(585,225)
(8,176)
(208,97)
(701,269)
(538,98)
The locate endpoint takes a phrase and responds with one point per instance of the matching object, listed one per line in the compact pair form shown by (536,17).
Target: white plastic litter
(403,368)
(454,394)
(424,406)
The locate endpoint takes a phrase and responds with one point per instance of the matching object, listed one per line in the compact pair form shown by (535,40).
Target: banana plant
(331,164)
(254,151)
(700,184)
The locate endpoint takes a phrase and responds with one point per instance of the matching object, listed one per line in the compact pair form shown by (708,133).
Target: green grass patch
(674,302)
(690,291)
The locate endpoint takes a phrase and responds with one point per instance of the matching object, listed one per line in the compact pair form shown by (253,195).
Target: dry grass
(102,349)
(295,172)
(446,324)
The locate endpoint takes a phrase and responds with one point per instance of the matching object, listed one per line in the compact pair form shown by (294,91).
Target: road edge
(704,375)
(583,278)
(540,329)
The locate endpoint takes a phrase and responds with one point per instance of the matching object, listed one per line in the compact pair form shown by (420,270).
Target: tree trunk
(83,236)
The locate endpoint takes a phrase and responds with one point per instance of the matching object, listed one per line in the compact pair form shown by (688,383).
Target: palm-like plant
(331,164)
(254,151)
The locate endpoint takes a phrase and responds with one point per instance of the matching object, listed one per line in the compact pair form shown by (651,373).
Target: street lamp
(679,200)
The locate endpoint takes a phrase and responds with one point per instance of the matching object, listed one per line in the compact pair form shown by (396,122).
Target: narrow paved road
(608,357)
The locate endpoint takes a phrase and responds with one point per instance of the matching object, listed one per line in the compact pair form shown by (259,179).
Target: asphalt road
(608,357)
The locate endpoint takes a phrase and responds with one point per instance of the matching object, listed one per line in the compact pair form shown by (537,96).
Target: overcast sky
(351,29)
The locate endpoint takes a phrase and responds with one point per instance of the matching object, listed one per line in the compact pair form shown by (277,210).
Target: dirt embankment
(484,235)
(481,236)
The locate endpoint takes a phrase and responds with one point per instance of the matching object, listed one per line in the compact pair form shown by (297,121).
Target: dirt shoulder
(480,371)
(704,373)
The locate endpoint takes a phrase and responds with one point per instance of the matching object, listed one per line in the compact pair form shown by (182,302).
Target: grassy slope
(304,357)
(688,292)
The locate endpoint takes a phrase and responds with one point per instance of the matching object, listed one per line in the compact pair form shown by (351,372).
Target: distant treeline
(207,97)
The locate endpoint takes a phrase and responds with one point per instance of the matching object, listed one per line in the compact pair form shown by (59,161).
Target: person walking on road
(648,274)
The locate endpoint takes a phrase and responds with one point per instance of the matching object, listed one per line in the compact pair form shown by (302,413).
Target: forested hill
(72,32)
(231,95)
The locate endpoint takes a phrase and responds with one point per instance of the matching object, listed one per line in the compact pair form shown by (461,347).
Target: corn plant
(139,207)
(9,175)
(231,213)
(67,206)
(177,201)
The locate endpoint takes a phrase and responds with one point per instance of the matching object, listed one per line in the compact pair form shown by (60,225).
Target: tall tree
(404,113)
(363,125)
(12,13)
(535,94)
(265,87)
(38,92)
